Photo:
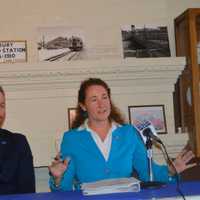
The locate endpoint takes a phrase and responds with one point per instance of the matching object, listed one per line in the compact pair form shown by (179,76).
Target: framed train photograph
(60,43)
(145,41)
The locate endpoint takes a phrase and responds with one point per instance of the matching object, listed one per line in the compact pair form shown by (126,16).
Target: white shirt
(104,146)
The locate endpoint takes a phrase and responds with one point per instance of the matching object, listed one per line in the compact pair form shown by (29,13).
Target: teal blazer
(87,164)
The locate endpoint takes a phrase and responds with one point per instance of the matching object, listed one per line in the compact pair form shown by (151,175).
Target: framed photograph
(12,51)
(60,43)
(145,40)
(73,43)
(71,116)
(153,113)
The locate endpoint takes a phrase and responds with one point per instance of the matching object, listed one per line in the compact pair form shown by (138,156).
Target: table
(190,189)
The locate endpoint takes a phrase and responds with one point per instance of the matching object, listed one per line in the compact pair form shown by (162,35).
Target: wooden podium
(187,89)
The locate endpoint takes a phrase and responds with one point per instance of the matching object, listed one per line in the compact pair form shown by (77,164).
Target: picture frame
(145,40)
(153,113)
(60,43)
(71,116)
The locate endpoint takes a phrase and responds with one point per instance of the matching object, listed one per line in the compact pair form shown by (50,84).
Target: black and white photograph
(64,44)
(145,41)
(60,43)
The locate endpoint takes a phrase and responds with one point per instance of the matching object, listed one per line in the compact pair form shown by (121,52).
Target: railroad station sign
(13,51)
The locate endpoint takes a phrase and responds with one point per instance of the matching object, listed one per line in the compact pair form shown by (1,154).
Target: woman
(101,146)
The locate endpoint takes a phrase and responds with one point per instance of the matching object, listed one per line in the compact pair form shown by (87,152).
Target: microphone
(147,130)
(148,133)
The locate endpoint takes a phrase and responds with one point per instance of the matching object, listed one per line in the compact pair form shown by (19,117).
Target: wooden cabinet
(187,90)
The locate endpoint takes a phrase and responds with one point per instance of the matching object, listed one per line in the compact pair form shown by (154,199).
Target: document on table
(111,186)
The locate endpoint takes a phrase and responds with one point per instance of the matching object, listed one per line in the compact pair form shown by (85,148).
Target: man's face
(2,109)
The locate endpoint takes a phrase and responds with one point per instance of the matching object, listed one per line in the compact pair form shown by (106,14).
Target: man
(16,161)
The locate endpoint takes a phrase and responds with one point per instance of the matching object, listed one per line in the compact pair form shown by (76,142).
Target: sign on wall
(13,51)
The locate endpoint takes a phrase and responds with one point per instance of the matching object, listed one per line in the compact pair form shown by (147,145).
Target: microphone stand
(151,183)
(150,157)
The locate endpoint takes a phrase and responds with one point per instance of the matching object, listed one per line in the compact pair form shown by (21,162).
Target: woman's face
(2,109)
(97,104)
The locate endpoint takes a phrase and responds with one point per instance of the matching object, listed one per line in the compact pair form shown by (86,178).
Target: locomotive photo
(61,44)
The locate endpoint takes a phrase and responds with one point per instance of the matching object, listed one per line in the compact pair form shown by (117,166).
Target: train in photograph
(75,44)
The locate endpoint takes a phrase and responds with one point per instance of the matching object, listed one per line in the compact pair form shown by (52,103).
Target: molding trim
(132,74)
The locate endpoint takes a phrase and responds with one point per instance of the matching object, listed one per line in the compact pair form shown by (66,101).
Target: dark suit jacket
(16,164)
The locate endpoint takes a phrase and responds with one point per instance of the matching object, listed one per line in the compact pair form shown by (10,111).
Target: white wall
(34,110)
(101,19)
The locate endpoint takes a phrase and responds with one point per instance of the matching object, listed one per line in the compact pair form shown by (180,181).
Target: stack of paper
(111,186)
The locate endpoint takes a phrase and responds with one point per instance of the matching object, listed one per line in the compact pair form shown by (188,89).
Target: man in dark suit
(16,160)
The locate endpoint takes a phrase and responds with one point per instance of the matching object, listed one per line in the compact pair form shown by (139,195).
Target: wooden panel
(187,30)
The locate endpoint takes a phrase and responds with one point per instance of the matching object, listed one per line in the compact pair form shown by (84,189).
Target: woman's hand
(57,168)
(181,162)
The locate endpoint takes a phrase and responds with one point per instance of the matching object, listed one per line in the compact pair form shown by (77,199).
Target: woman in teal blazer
(101,146)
